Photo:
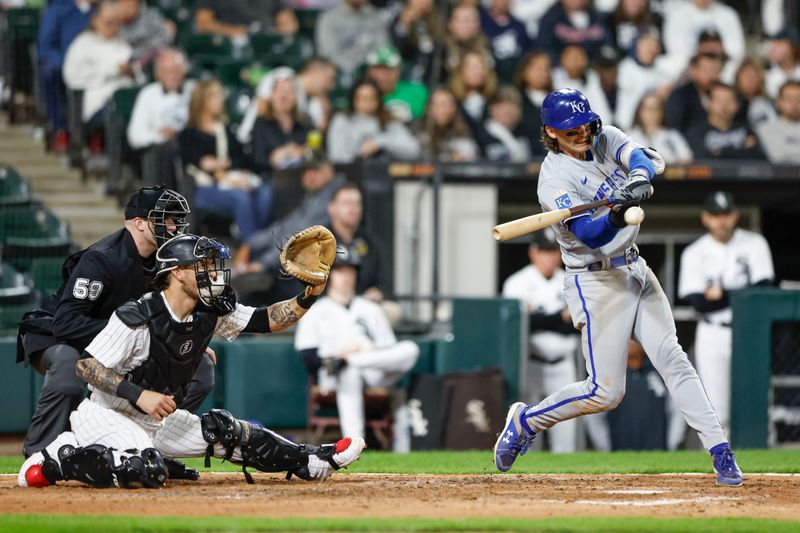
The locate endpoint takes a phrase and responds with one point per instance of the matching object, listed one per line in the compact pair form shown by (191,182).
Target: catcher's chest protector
(176,348)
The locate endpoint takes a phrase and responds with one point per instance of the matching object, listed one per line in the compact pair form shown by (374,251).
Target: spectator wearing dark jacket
(534,82)
(508,38)
(685,106)
(61,22)
(571,22)
(721,136)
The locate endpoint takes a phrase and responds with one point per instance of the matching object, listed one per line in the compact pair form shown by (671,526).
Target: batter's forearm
(98,376)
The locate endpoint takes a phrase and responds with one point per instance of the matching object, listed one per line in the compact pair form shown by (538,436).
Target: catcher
(140,365)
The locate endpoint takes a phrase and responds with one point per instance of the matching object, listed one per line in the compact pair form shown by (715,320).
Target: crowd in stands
(411,80)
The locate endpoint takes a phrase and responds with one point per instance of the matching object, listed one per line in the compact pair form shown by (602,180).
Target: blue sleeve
(639,159)
(593,233)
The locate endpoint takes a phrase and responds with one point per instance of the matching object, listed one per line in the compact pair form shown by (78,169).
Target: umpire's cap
(719,202)
(567,109)
(545,240)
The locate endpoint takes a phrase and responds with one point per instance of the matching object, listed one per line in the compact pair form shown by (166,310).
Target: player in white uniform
(611,292)
(540,287)
(724,259)
(349,340)
(140,365)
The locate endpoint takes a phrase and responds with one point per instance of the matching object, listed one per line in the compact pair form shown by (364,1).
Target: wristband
(129,391)
(306,301)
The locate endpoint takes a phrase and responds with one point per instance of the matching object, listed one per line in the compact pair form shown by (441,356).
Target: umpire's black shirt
(98,280)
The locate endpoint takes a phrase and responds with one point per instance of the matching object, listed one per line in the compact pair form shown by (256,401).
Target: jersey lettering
(85,288)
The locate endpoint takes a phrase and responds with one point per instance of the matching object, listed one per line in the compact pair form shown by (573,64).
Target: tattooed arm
(98,376)
(103,378)
(285,314)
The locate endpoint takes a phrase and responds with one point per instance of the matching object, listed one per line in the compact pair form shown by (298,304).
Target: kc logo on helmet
(578,107)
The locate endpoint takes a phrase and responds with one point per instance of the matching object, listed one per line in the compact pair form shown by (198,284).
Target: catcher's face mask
(213,274)
(170,216)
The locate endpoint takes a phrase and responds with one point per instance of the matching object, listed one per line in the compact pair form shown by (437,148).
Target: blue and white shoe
(514,440)
(725,466)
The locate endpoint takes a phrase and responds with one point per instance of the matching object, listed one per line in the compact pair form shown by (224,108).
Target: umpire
(97,280)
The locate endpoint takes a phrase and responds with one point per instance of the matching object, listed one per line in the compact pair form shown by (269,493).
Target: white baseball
(634,216)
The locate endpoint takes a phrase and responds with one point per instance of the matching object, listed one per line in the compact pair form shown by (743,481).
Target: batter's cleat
(725,466)
(514,440)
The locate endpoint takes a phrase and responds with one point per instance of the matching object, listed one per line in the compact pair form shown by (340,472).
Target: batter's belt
(630,257)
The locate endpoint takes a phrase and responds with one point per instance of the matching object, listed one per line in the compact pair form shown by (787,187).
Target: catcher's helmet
(566,109)
(206,255)
(158,204)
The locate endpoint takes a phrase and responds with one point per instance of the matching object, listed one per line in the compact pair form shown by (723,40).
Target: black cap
(544,240)
(719,202)
(313,159)
(788,33)
(345,257)
(607,56)
(143,201)
(709,34)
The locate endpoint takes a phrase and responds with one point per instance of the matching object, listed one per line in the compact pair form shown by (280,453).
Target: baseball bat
(529,224)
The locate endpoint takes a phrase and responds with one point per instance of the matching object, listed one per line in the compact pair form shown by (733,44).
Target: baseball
(634,216)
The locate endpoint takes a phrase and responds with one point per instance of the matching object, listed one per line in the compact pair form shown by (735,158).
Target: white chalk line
(394,474)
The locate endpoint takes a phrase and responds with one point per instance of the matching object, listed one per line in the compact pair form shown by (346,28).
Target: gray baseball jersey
(566,182)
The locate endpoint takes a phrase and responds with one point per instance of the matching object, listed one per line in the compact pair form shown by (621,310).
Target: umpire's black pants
(62,391)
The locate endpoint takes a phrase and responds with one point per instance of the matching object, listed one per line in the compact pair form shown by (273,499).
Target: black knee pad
(95,466)
(260,448)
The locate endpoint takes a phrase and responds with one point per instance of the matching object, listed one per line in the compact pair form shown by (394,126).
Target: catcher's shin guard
(260,448)
(96,465)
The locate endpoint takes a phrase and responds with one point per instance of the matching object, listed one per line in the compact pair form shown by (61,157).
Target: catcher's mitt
(308,255)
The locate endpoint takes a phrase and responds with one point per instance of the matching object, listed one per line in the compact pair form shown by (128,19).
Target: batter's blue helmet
(567,109)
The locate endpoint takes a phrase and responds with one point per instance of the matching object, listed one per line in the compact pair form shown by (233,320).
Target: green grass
(480,462)
(131,524)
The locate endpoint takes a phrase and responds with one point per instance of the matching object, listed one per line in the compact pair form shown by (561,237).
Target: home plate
(636,491)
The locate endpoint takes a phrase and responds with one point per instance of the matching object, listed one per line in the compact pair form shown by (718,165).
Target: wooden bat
(529,224)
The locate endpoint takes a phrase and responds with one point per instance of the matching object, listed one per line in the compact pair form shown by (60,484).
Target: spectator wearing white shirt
(530,12)
(780,137)
(784,59)
(683,24)
(159,114)
(574,73)
(649,130)
(98,61)
(639,74)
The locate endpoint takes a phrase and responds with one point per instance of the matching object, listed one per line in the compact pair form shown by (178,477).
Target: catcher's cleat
(329,458)
(39,470)
(514,440)
(725,466)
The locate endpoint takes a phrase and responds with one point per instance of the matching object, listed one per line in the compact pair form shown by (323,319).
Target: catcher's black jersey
(97,280)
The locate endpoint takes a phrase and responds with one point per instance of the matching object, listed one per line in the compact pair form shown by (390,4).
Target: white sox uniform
(741,262)
(112,421)
(378,360)
(553,363)
(613,303)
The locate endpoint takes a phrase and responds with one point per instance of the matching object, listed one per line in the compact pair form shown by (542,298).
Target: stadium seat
(31,222)
(16,298)
(308,21)
(278,50)
(117,115)
(207,45)
(14,190)
(46,275)
(21,252)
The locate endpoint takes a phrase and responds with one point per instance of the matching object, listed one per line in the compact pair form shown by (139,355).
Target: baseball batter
(611,292)
(139,367)
(725,259)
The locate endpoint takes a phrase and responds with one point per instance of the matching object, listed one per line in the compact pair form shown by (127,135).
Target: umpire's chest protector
(176,348)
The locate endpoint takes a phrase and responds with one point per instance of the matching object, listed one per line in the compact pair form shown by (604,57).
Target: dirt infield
(420,496)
